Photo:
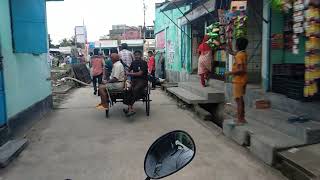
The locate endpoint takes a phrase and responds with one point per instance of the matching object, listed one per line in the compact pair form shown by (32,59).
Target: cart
(118,96)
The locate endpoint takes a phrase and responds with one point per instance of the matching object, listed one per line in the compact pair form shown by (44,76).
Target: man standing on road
(126,55)
(152,69)
(139,73)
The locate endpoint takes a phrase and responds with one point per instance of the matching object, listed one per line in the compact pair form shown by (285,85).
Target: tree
(69,42)
(50,43)
(65,42)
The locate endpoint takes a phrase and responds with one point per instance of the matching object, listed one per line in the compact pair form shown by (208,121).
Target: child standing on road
(240,78)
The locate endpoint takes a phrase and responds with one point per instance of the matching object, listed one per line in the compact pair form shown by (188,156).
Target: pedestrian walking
(205,58)
(97,63)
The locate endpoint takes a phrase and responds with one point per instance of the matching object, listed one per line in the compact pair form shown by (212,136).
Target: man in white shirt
(125,55)
(116,82)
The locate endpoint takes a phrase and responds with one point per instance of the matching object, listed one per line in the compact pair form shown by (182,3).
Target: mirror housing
(169,154)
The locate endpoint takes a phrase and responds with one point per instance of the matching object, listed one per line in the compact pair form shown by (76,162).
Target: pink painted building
(132,34)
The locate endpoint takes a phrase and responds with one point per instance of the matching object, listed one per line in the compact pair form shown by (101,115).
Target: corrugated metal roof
(173,4)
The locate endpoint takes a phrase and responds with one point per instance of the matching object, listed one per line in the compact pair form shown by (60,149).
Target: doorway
(197,35)
(3,119)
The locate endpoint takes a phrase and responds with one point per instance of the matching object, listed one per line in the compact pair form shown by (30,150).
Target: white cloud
(98,15)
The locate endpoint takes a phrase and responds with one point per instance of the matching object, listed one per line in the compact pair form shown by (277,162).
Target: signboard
(91,45)
(109,43)
(238,6)
(171,52)
(80,34)
(106,44)
(160,40)
(150,43)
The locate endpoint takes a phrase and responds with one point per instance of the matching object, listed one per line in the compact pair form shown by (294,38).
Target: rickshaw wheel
(107,113)
(148,104)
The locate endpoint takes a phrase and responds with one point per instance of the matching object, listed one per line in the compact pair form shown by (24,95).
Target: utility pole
(144,20)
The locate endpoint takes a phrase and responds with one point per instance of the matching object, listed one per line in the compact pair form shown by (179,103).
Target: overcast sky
(98,16)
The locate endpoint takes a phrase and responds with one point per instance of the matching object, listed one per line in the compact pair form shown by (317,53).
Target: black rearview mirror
(169,154)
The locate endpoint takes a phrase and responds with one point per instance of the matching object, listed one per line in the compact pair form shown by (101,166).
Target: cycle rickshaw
(119,96)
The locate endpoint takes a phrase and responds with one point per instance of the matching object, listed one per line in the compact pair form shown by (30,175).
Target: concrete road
(77,142)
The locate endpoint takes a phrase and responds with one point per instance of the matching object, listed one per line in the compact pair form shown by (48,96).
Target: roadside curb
(64,91)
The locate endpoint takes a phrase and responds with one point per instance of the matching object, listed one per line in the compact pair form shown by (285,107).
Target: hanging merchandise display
(223,22)
(298,23)
(288,32)
(214,34)
(312,58)
(236,22)
(239,19)
(240,25)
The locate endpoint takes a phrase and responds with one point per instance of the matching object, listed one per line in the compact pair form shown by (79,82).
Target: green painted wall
(284,56)
(25,75)
(175,61)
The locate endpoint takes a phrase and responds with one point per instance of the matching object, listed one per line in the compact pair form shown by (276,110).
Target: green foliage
(276,5)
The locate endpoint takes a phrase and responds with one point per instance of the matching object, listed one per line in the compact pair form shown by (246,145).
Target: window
(28,22)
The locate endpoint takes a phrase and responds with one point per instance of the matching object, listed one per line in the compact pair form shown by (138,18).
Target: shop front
(295,49)
(105,46)
(134,45)
(196,21)
(222,24)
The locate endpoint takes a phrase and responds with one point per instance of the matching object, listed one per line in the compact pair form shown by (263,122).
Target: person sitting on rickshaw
(116,82)
(138,71)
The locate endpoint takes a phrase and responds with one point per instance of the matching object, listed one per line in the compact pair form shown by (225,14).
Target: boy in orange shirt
(240,78)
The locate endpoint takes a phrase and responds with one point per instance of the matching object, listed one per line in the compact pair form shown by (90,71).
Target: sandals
(240,123)
(125,111)
(236,123)
(131,113)
(128,113)
(101,107)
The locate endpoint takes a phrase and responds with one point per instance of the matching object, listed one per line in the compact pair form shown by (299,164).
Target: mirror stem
(148,178)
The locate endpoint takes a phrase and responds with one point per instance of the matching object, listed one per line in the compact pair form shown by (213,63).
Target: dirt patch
(60,88)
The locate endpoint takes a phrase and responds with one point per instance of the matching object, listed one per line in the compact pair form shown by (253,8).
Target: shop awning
(203,9)
(106,44)
(133,42)
(173,4)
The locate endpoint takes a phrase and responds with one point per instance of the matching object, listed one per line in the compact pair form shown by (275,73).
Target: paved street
(77,142)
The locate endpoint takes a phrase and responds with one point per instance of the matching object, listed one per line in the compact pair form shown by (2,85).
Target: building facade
(273,65)
(124,32)
(174,41)
(25,85)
